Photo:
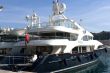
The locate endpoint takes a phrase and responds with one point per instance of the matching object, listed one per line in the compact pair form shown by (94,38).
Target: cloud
(104,8)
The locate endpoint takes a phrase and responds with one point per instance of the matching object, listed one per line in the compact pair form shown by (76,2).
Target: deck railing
(17,60)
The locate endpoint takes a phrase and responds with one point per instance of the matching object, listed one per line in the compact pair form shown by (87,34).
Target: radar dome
(62,7)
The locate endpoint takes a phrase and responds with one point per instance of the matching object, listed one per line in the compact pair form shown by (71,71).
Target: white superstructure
(9,37)
(60,33)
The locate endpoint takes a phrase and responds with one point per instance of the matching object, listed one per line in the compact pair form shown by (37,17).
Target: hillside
(103,37)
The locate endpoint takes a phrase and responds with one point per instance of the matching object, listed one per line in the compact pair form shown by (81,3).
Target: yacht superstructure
(61,31)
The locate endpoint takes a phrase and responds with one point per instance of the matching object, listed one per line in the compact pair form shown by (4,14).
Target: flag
(27,38)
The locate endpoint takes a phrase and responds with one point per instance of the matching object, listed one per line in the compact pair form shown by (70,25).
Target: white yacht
(4,41)
(57,45)
(8,37)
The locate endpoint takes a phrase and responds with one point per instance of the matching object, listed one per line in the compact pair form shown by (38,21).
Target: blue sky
(95,14)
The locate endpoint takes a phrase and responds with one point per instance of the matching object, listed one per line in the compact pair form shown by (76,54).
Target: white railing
(11,60)
(62,22)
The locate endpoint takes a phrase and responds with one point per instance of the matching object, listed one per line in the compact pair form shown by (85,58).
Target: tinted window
(86,38)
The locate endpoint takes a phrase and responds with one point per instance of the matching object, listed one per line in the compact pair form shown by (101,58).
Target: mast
(55,7)
(58,8)
(57,12)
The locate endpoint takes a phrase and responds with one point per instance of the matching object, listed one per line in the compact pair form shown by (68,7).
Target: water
(102,67)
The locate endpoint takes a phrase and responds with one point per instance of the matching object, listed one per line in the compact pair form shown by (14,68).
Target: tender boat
(58,45)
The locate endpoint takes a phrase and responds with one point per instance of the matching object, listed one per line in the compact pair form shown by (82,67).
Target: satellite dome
(62,7)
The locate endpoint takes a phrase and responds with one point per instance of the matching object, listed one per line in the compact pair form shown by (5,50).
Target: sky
(95,14)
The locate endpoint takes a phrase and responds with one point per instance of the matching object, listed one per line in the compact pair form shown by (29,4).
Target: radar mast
(58,10)
(33,20)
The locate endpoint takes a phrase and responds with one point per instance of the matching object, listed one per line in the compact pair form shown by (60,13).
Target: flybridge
(56,19)
(62,22)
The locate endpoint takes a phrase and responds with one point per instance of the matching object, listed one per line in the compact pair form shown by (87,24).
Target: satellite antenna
(27,17)
(33,20)
(58,8)
(62,8)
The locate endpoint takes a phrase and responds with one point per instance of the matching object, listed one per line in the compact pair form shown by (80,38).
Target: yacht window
(101,46)
(22,50)
(47,35)
(91,48)
(66,23)
(10,38)
(75,50)
(43,50)
(79,49)
(84,49)
(90,38)
(86,38)
(73,37)
(4,51)
(55,35)
(63,35)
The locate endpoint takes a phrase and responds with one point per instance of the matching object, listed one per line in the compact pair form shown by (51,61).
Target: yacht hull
(65,62)
(78,68)
(57,63)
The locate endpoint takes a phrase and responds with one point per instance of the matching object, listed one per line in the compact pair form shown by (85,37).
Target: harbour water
(100,68)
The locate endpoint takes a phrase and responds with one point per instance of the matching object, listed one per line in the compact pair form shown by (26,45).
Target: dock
(6,71)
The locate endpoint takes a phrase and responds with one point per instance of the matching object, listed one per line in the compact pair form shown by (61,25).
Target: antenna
(33,20)
(58,8)
(80,21)
(62,8)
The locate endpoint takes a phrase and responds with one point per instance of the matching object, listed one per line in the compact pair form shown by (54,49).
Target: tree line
(104,35)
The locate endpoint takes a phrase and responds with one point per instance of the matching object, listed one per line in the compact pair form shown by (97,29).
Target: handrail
(12,59)
(61,22)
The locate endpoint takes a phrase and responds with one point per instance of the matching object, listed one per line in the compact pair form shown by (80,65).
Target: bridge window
(75,50)
(4,51)
(86,38)
(55,35)
(66,23)
(73,37)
